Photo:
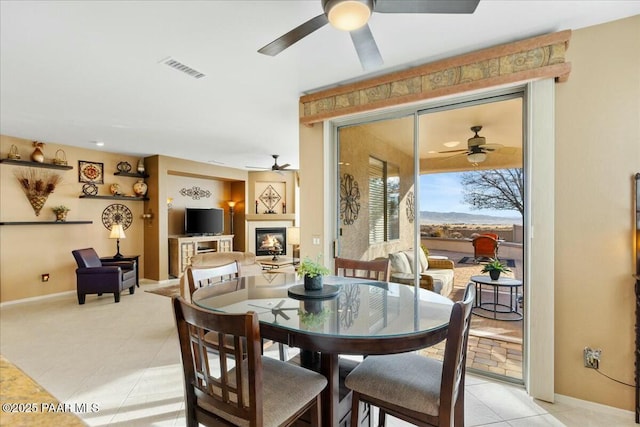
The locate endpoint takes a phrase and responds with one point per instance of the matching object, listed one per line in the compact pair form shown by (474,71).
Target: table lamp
(117,232)
(293,238)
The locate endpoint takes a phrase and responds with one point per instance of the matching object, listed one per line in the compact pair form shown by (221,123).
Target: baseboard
(560,398)
(38,298)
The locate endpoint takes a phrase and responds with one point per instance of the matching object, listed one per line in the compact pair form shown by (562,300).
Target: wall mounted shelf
(132,175)
(34,164)
(44,222)
(133,199)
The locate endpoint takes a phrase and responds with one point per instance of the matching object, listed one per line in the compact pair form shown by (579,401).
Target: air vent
(177,65)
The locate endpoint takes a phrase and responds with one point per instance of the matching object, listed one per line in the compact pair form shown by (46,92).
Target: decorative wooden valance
(536,58)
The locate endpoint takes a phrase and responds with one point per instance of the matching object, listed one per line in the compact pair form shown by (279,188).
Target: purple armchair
(94,276)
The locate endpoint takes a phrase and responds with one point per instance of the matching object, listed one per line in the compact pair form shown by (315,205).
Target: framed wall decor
(90,172)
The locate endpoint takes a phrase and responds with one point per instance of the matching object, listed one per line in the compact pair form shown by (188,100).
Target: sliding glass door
(376,188)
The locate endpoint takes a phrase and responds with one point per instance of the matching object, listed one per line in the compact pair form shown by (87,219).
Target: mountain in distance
(428,217)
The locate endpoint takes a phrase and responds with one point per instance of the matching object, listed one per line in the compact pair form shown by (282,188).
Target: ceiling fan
(477,147)
(275,167)
(353,15)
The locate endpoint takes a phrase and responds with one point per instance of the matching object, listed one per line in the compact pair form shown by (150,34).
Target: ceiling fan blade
(283,314)
(490,146)
(453,151)
(425,6)
(286,165)
(366,47)
(294,36)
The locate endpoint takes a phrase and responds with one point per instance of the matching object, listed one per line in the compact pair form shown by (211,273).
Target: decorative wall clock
(411,210)
(349,199)
(91,172)
(117,214)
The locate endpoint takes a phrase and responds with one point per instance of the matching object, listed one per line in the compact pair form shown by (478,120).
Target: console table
(182,248)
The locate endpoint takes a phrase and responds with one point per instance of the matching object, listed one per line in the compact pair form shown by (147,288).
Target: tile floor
(125,358)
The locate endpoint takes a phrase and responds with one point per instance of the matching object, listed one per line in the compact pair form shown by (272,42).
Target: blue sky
(442,192)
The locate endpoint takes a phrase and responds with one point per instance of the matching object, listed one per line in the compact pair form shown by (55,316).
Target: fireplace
(269,240)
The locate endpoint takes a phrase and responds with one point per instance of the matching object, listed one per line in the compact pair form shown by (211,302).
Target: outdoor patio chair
(415,388)
(485,246)
(238,386)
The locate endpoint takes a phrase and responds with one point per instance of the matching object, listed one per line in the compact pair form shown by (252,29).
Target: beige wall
(27,251)
(598,151)
(225,183)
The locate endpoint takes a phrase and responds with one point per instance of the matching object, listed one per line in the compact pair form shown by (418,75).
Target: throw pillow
(399,263)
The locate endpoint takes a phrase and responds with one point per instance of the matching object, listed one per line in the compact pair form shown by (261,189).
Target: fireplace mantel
(270,217)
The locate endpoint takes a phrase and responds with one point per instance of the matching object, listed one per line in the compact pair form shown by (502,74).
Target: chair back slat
(201,277)
(377,269)
(223,378)
(455,354)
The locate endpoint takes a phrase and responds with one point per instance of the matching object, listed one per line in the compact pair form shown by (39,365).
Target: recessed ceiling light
(215,161)
(451,144)
(98,143)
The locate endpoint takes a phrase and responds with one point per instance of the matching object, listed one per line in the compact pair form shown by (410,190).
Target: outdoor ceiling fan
(477,147)
(353,15)
(275,167)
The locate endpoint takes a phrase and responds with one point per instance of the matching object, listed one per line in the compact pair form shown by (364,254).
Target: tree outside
(498,189)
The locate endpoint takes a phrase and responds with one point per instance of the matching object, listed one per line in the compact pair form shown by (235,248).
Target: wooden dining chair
(377,269)
(200,277)
(233,384)
(415,388)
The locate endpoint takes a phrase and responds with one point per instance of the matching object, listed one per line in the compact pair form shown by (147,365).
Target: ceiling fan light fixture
(348,15)
(477,157)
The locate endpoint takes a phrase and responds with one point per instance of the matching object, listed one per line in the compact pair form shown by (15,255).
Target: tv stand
(182,248)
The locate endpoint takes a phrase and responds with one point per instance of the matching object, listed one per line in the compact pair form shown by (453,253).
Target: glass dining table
(353,317)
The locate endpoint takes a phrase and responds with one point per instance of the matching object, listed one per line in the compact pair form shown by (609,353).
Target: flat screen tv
(203,221)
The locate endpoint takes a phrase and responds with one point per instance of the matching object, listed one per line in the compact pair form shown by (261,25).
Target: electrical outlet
(315,240)
(592,357)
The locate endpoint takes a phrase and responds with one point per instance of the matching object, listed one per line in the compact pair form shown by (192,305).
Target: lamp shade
(293,235)
(117,232)
(231,203)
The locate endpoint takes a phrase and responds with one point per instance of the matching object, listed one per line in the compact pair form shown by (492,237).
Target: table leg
(331,394)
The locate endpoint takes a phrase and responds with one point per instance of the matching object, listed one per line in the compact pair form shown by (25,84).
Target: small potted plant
(494,267)
(312,272)
(61,212)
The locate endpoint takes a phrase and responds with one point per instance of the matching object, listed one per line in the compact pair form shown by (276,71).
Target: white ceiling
(73,72)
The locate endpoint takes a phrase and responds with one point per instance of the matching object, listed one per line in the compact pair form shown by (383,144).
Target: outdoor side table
(494,309)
